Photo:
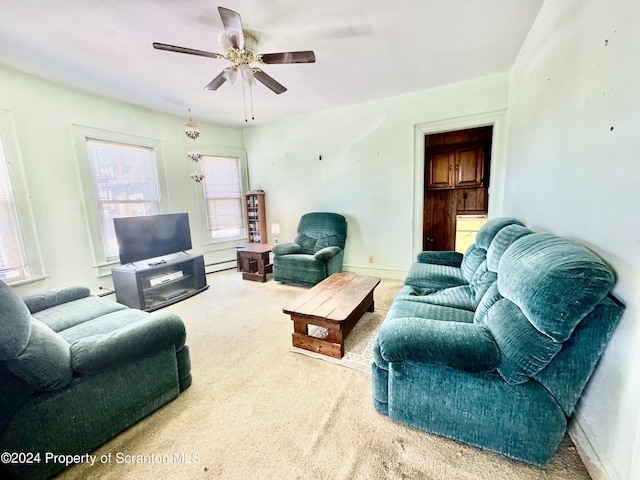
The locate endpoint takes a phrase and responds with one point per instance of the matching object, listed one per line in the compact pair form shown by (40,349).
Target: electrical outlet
(370,258)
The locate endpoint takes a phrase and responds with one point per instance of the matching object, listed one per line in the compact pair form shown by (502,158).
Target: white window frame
(225,152)
(92,214)
(128,206)
(240,231)
(21,198)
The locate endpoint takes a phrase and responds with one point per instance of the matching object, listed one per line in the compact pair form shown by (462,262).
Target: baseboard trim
(377,272)
(581,438)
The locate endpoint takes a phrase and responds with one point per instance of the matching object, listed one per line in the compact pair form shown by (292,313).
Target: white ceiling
(365,49)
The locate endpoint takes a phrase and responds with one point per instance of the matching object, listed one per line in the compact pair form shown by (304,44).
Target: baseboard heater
(222,269)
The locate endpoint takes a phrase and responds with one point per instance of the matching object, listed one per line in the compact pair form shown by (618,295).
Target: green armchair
(316,253)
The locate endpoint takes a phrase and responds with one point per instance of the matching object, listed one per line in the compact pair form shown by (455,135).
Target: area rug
(358,346)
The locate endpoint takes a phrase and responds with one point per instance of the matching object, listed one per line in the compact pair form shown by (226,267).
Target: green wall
(44,115)
(573,169)
(360,161)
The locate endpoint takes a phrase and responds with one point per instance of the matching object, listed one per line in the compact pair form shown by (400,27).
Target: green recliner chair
(316,253)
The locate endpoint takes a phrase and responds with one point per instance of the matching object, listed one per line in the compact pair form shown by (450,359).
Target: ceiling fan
(240,50)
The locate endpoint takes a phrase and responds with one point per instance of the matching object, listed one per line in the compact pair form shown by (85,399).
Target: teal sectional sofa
(494,349)
(76,370)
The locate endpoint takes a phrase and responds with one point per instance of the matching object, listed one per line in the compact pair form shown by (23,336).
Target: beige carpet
(256,410)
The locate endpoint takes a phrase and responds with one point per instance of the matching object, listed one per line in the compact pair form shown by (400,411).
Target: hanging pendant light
(192,132)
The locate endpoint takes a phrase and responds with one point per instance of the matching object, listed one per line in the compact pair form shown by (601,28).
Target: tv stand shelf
(152,284)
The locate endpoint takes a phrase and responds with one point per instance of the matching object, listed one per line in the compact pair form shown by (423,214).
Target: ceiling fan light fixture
(230,74)
(247,75)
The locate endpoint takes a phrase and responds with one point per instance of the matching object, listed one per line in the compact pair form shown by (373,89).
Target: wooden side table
(253,261)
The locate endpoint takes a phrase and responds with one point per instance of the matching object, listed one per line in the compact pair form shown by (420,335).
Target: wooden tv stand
(155,283)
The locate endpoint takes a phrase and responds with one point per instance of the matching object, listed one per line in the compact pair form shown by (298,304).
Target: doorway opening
(457,166)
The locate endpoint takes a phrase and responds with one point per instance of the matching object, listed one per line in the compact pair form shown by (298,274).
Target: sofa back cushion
(546,286)
(487,271)
(503,240)
(318,230)
(490,229)
(477,252)
(45,363)
(473,258)
(15,323)
(555,281)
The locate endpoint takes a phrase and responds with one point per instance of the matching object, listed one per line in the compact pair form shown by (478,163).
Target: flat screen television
(152,236)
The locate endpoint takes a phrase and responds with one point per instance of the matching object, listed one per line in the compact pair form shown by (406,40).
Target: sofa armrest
(286,249)
(100,352)
(464,346)
(450,258)
(326,253)
(37,302)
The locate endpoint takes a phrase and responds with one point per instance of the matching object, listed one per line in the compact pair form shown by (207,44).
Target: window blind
(125,182)
(13,262)
(223,194)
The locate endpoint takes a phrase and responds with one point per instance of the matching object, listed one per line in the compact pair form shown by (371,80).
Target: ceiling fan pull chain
(244,99)
(251,99)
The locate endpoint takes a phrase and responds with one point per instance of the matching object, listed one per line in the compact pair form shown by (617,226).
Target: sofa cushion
(503,240)
(477,253)
(114,344)
(50,298)
(451,258)
(463,346)
(434,277)
(489,230)
(555,282)
(325,241)
(491,296)
(45,363)
(406,306)
(104,324)
(286,249)
(482,279)
(524,350)
(76,312)
(307,244)
(15,323)
(454,297)
(473,258)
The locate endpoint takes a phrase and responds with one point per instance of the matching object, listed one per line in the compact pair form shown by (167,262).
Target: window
(223,197)
(13,262)
(125,183)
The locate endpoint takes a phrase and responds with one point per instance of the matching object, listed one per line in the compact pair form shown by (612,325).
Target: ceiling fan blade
(268,81)
(306,56)
(232,27)
(216,82)
(191,51)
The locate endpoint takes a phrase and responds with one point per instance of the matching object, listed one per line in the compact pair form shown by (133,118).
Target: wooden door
(437,221)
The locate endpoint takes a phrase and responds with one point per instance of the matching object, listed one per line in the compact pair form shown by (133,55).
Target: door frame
(497,119)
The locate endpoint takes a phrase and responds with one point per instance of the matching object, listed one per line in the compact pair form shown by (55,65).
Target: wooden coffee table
(336,303)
